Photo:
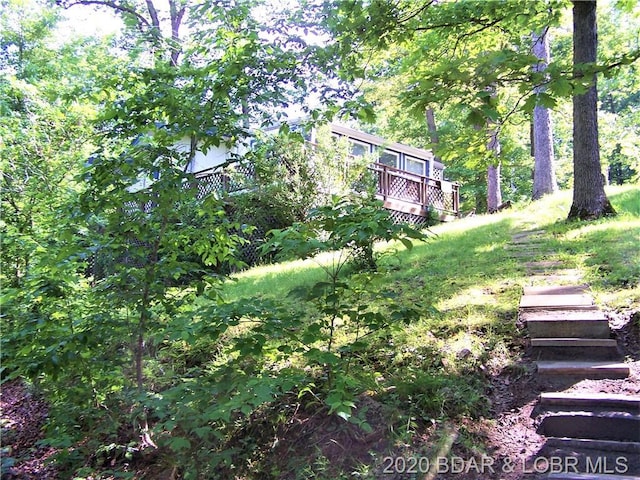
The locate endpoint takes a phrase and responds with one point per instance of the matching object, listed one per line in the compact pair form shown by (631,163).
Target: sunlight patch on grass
(625,199)
(464,224)
(608,227)
(463,349)
(488,248)
(470,296)
(628,299)
(274,280)
(276,268)
(546,211)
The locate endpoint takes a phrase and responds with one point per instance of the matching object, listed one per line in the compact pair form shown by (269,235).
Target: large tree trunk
(589,198)
(544,175)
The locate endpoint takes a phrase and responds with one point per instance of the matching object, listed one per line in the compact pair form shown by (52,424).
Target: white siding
(203,161)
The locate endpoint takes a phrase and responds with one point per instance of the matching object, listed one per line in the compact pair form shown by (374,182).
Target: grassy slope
(470,253)
(436,369)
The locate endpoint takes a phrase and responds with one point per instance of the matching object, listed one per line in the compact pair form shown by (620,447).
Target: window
(415,165)
(389,158)
(358,149)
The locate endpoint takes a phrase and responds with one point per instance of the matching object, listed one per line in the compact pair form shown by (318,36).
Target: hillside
(456,381)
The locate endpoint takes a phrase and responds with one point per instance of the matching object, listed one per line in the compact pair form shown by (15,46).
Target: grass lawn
(464,258)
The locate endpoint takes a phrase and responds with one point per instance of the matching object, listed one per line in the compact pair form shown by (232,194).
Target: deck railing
(392,184)
(425,192)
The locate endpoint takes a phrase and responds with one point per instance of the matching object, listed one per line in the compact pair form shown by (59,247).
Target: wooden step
(524,242)
(591,476)
(546,302)
(616,426)
(629,403)
(589,444)
(567,314)
(518,239)
(527,234)
(544,267)
(566,323)
(574,342)
(527,254)
(574,348)
(583,369)
(557,290)
(528,245)
(544,264)
(565,275)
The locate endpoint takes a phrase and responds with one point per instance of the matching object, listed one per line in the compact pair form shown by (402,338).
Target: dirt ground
(22,416)
(505,446)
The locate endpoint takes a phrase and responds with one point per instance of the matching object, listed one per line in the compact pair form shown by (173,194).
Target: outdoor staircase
(570,341)
(561,341)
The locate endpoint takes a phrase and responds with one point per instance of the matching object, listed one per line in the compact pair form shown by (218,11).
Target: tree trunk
(589,198)
(494,192)
(433,135)
(544,175)
(431,126)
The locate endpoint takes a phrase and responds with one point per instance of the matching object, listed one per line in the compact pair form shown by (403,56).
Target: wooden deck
(414,194)
(403,192)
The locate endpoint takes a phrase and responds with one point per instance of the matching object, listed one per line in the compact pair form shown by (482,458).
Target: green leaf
(562,87)
(547,100)
(179,444)
(344,414)
(529,104)
(408,244)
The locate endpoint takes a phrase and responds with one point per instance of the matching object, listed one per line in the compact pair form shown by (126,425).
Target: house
(410,181)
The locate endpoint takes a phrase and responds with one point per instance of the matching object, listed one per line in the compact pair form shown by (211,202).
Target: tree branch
(417,12)
(625,60)
(153,13)
(473,21)
(176,20)
(108,3)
